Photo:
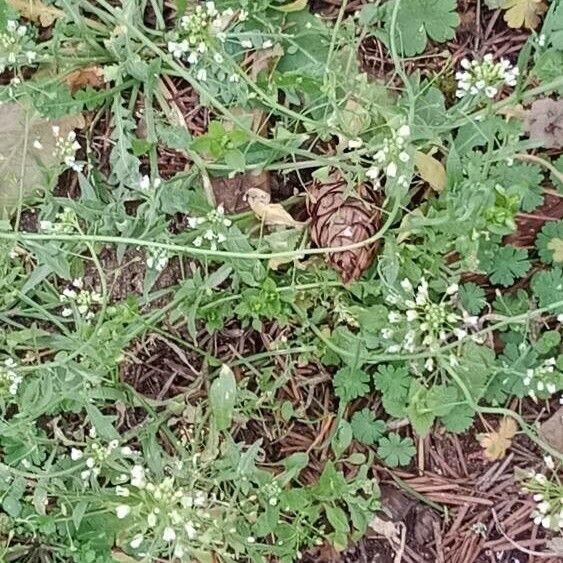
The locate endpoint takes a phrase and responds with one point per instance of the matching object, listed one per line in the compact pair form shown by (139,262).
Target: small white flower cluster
(391,157)
(9,378)
(97,454)
(216,222)
(64,223)
(543,379)
(13,43)
(271,491)
(146,184)
(548,495)
(157,259)
(65,149)
(428,324)
(485,76)
(84,300)
(197,32)
(174,513)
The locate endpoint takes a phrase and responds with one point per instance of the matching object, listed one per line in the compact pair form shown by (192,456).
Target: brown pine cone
(337,220)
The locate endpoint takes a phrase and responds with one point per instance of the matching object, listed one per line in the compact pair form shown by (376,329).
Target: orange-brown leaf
(496,443)
(92,75)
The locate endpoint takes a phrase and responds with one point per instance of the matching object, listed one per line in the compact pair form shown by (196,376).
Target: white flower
(90,462)
(452,289)
(76,454)
(372,173)
(538,497)
(138,477)
(548,460)
(201,74)
(404,156)
(136,542)
(387,333)
(394,317)
(190,530)
(429,364)
(391,170)
(151,519)
(246,43)
(412,315)
(407,285)
(404,131)
(122,491)
(355,143)
(251,539)
(168,534)
(122,511)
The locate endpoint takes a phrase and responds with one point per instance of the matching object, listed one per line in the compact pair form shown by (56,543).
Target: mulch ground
(456,506)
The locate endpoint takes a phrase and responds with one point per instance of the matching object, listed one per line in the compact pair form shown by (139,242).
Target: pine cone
(337,220)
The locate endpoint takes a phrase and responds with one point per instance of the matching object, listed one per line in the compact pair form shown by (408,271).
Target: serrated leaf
(394,450)
(472,298)
(222,398)
(417,20)
(509,263)
(496,443)
(365,427)
(523,13)
(431,170)
(36,11)
(441,399)
(459,419)
(350,383)
(550,242)
(21,128)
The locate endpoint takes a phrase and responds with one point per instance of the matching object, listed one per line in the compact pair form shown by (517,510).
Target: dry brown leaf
(269,213)
(496,443)
(523,13)
(431,170)
(386,528)
(92,75)
(36,11)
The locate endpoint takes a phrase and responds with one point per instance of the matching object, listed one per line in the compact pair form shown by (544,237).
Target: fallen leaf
(551,431)
(36,11)
(26,146)
(555,546)
(92,75)
(523,13)
(496,443)
(544,122)
(431,170)
(295,6)
(269,213)
(556,245)
(514,112)
(386,528)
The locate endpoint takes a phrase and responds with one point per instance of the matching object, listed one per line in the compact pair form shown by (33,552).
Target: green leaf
(366,428)
(350,383)
(395,450)
(342,438)
(550,242)
(392,381)
(420,414)
(441,399)
(548,288)
(509,263)
(459,419)
(235,159)
(548,341)
(473,297)
(102,423)
(418,20)
(337,519)
(222,398)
